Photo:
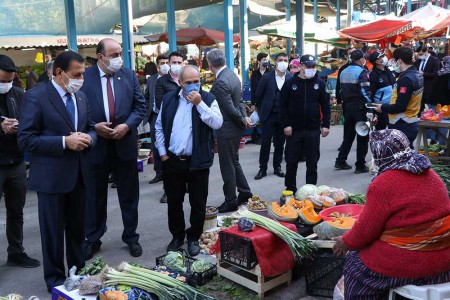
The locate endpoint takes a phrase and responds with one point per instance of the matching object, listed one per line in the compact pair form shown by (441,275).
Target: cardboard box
(60,293)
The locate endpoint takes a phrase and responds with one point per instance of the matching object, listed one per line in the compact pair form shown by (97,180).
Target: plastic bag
(90,285)
(254,117)
(338,293)
(73,281)
(338,195)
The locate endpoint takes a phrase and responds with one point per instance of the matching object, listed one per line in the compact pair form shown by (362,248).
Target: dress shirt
(280,79)
(423,63)
(154,98)
(103,79)
(181,135)
(62,93)
(220,70)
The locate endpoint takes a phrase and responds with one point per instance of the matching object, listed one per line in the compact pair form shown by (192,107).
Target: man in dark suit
(117,107)
(168,83)
(56,128)
(268,103)
(227,90)
(162,62)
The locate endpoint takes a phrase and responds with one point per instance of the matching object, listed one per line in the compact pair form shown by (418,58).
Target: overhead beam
(71,27)
(245,48)
(171,26)
(228,28)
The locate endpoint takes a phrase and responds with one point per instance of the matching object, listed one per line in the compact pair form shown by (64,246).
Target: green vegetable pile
(94,268)
(433,148)
(175,261)
(357,198)
(200,266)
(443,171)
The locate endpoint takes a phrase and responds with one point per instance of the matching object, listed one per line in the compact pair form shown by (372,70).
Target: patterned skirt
(362,283)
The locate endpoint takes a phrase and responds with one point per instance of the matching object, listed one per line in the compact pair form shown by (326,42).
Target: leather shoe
(262,173)
(342,165)
(360,170)
(278,172)
(175,244)
(227,207)
(243,198)
(193,247)
(163,198)
(135,249)
(90,249)
(22,260)
(157,178)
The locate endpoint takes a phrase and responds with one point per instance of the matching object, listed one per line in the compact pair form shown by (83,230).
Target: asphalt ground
(153,229)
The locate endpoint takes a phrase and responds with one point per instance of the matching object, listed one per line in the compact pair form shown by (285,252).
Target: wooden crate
(252,279)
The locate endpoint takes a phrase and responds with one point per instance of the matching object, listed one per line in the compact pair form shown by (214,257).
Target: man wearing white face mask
(56,128)
(117,107)
(305,116)
(268,104)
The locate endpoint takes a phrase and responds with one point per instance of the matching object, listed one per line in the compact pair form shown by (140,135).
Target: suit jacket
(429,74)
(164,84)
(265,94)
(150,95)
(44,120)
(227,90)
(129,106)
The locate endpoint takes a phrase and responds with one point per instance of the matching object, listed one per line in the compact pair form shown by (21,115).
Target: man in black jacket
(13,179)
(305,115)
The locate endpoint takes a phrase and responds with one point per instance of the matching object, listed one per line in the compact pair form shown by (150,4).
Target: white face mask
(115,64)
(5,87)
(282,66)
(310,73)
(385,61)
(74,85)
(364,63)
(164,68)
(397,68)
(175,69)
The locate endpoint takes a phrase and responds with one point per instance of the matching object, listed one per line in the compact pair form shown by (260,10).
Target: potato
(202,236)
(203,246)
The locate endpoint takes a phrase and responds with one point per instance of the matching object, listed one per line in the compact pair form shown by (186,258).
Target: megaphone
(362,128)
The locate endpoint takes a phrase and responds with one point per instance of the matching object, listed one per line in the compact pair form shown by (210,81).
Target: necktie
(109,91)
(70,108)
(423,65)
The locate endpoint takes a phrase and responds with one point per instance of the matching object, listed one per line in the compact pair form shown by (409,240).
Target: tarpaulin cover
(274,255)
(197,35)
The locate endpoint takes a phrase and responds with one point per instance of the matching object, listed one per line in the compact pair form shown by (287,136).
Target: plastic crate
(322,273)
(237,250)
(192,278)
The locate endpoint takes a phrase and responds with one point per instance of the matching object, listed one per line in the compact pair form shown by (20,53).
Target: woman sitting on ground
(403,234)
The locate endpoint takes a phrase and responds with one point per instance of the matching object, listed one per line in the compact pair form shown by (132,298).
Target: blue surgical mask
(194,87)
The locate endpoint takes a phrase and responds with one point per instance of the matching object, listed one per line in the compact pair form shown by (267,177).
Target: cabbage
(200,266)
(175,261)
(305,191)
(322,188)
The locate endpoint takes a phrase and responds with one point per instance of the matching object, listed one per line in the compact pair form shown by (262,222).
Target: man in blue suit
(117,108)
(56,128)
(268,105)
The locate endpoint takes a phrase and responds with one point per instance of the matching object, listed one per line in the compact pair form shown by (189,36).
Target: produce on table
(207,240)
(444,109)
(338,195)
(433,148)
(166,288)
(338,215)
(256,203)
(94,268)
(201,266)
(356,198)
(176,261)
(322,188)
(12,297)
(228,222)
(116,295)
(301,248)
(90,285)
(245,224)
(430,115)
(285,213)
(309,216)
(320,201)
(73,281)
(337,227)
(299,204)
(305,191)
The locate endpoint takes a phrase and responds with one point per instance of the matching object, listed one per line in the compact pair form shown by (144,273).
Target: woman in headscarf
(403,234)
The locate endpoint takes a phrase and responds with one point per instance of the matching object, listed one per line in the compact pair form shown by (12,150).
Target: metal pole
(350,12)
(408,9)
(378,6)
(288,18)
(299,36)
(361,5)
(71,27)
(388,7)
(228,28)
(171,26)
(316,19)
(127,34)
(338,15)
(245,48)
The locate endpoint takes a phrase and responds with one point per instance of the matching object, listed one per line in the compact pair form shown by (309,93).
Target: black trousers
(230,168)
(176,174)
(13,183)
(409,129)
(157,159)
(272,128)
(302,143)
(125,175)
(354,114)
(61,216)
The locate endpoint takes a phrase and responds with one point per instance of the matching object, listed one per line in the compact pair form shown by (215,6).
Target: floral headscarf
(391,151)
(446,68)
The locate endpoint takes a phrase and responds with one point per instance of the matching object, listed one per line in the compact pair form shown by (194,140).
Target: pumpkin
(445,109)
(299,204)
(285,213)
(337,227)
(309,216)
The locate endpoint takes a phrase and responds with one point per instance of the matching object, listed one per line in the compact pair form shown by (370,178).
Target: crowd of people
(80,126)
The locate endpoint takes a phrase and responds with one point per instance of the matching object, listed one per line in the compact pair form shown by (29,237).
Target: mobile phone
(370,105)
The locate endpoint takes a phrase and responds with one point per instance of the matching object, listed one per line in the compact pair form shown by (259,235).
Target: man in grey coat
(227,90)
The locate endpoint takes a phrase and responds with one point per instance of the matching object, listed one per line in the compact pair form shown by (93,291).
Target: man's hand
(249,123)
(377,107)
(288,131)
(9,125)
(194,97)
(325,131)
(119,131)
(164,157)
(78,141)
(340,248)
(104,130)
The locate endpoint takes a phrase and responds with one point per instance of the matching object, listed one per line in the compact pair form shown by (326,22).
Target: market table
(424,125)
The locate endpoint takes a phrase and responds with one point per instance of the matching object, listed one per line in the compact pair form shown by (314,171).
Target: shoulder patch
(402,90)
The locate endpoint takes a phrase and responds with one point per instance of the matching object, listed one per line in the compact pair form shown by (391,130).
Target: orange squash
(299,204)
(309,216)
(337,227)
(445,109)
(285,213)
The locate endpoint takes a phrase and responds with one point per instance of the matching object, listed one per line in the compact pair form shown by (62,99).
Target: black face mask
(265,64)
